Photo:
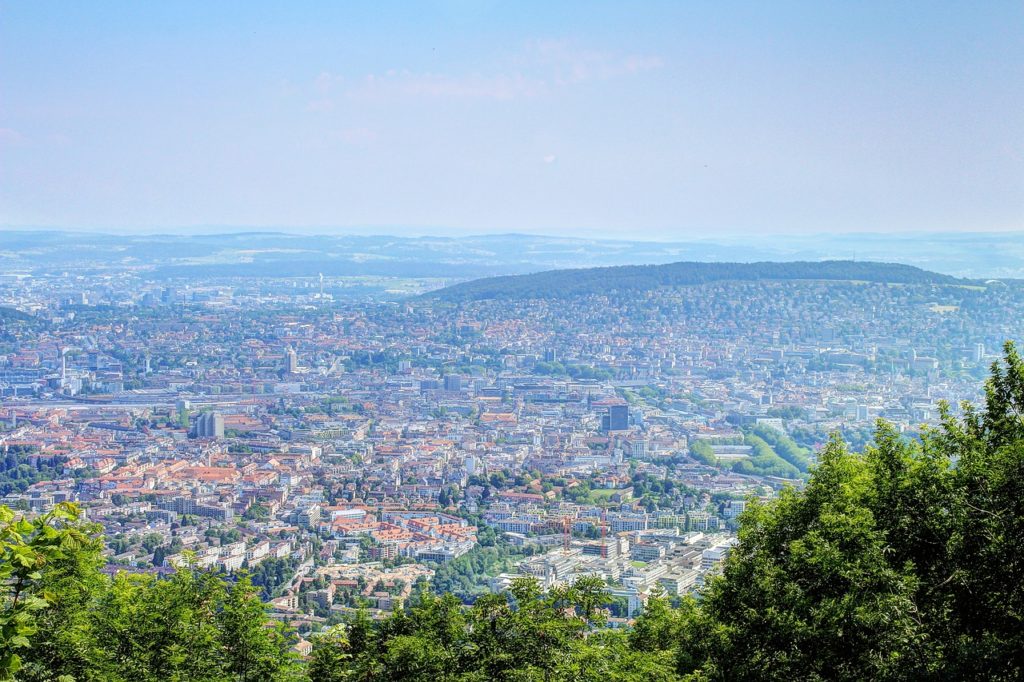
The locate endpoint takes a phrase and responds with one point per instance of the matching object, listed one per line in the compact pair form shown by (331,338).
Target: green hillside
(633,278)
(14,315)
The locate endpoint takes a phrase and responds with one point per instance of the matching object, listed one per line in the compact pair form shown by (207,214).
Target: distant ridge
(14,315)
(586,281)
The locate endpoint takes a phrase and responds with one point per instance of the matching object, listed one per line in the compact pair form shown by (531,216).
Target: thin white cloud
(320,105)
(10,136)
(325,87)
(325,82)
(540,68)
(438,85)
(571,64)
(355,136)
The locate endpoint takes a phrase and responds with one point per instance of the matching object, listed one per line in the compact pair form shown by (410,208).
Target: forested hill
(13,315)
(582,282)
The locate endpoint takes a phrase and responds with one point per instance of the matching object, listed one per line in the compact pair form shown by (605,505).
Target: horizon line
(446,233)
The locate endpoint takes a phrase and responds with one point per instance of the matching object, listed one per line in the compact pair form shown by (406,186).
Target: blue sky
(639,120)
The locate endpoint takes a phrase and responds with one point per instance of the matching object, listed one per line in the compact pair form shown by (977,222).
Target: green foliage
(329,660)
(903,563)
(521,635)
(253,650)
(701,451)
(147,627)
(8,314)
(19,469)
(809,592)
(635,278)
(788,412)
(63,619)
(784,446)
(68,581)
(256,512)
(272,573)
(764,460)
(468,576)
(574,371)
(36,555)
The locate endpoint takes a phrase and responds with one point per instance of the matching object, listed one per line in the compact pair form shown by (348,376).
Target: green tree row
(468,576)
(64,620)
(522,634)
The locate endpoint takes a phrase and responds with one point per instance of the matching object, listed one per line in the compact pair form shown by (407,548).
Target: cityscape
(468,341)
(347,453)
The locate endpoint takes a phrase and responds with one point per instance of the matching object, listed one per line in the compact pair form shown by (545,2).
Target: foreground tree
(809,592)
(985,629)
(48,563)
(904,563)
(330,657)
(520,635)
(192,626)
(254,650)
(69,583)
(61,619)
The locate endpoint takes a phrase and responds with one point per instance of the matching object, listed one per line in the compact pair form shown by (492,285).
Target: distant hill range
(14,315)
(208,254)
(634,278)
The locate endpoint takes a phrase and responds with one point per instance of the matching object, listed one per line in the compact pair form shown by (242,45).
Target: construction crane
(338,362)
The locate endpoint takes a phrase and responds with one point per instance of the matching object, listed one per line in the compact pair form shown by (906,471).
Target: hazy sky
(629,119)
